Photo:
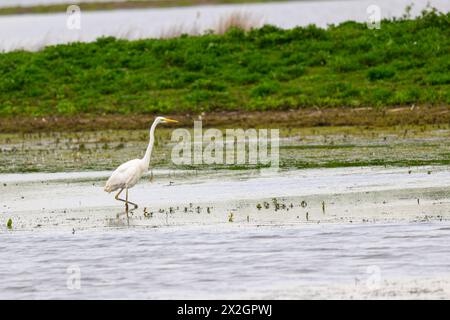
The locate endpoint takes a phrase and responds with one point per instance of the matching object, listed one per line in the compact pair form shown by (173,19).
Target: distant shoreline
(309,117)
(132,4)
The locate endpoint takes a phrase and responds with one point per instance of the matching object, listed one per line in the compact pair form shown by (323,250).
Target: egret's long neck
(148,152)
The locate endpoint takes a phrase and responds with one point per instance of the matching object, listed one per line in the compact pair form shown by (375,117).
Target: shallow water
(356,232)
(240,262)
(326,233)
(33,32)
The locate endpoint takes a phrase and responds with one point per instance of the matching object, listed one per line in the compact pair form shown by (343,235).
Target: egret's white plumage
(126,175)
(129,173)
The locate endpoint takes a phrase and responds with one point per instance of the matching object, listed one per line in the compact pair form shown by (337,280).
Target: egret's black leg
(123,200)
(126,202)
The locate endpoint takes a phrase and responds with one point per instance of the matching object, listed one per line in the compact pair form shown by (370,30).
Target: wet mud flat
(76,201)
(299,148)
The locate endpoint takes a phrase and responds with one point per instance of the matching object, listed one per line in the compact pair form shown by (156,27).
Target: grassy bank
(406,62)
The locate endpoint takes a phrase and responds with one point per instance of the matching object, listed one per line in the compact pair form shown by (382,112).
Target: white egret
(129,173)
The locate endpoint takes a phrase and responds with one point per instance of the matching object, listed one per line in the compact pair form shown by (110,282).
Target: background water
(11,3)
(264,262)
(33,32)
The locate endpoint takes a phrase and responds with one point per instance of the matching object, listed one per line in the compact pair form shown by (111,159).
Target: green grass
(405,62)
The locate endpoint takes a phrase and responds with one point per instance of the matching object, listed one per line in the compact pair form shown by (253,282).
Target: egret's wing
(121,176)
(127,165)
(133,174)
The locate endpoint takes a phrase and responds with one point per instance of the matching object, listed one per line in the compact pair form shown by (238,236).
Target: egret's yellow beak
(170,120)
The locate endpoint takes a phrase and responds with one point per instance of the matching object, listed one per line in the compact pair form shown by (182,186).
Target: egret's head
(165,120)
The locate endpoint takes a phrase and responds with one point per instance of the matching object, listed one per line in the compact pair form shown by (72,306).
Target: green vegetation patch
(405,62)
